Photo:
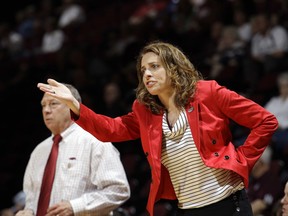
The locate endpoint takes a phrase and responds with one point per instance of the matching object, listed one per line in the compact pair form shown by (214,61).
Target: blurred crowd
(93,44)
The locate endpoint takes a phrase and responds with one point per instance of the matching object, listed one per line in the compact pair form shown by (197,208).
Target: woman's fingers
(50,87)
(45,87)
(53,82)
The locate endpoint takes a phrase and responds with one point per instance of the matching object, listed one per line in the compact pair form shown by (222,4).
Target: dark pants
(236,204)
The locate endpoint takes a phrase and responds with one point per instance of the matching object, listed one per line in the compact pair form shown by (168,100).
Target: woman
(183,123)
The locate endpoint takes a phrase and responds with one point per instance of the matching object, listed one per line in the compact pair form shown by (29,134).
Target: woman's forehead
(150,57)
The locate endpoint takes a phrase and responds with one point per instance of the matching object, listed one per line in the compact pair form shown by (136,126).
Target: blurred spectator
(19,203)
(264,174)
(269,49)
(190,22)
(119,41)
(210,47)
(25,19)
(53,38)
(98,69)
(227,61)
(243,26)
(269,43)
(184,17)
(148,9)
(206,12)
(71,14)
(113,100)
(30,28)
(278,105)
(11,40)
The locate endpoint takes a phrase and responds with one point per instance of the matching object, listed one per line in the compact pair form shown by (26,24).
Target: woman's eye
(155,66)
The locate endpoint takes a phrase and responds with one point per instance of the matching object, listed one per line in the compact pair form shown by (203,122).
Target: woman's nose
(147,73)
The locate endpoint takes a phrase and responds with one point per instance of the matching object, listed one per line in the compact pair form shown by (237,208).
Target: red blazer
(208,114)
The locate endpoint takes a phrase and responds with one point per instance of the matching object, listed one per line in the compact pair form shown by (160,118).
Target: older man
(89,177)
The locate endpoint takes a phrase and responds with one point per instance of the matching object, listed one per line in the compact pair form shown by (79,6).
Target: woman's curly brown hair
(178,67)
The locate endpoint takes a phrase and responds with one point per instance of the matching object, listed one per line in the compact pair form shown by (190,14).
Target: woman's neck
(168,101)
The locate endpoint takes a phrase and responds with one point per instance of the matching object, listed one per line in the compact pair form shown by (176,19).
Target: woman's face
(154,75)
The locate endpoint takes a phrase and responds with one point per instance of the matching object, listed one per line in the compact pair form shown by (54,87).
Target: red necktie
(48,178)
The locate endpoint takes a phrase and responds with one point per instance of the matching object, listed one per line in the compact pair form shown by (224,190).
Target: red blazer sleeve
(108,129)
(245,112)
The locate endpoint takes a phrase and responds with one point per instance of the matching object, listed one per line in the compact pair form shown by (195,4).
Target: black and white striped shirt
(195,184)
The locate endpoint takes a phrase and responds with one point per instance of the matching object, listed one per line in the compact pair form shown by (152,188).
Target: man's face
(283,88)
(284,201)
(56,115)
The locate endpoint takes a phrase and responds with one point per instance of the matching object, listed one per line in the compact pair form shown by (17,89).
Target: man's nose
(46,109)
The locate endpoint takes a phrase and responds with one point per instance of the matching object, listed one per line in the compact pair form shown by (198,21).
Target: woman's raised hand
(61,92)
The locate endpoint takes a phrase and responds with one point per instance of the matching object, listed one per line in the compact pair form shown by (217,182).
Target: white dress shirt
(274,41)
(52,41)
(89,174)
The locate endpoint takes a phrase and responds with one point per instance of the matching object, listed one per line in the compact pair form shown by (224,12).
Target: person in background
(278,105)
(89,177)
(227,59)
(260,193)
(53,38)
(71,13)
(19,204)
(241,22)
(268,50)
(183,122)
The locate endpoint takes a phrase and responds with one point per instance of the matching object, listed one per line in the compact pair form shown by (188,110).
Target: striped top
(195,184)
